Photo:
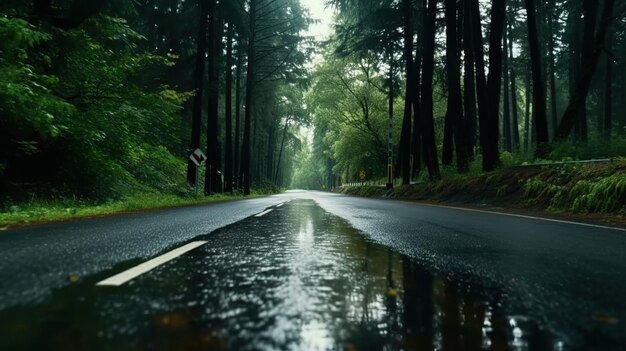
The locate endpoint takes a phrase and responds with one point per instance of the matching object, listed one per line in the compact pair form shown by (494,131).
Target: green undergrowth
(568,188)
(55,210)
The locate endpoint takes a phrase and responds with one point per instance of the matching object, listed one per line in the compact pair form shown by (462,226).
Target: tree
(455,123)
(212,179)
(539,95)
(577,100)
(428,126)
(489,121)
(196,123)
(228,146)
(469,82)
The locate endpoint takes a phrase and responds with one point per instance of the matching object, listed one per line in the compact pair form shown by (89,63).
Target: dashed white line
(147,266)
(263,213)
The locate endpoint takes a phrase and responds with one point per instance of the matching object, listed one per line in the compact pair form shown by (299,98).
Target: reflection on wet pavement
(297,278)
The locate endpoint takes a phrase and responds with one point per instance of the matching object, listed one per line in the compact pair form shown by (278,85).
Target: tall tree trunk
(196,120)
(228,140)
(515,121)
(428,132)
(553,102)
(481,82)
(539,96)
(527,129)
(455,100)
(506,113)
(469,84)
(405,136)
(577,101)
(403,133)
(245,155)
(489,123)
(574,67)
(211,176)
(271,147)
(42,8)
(237,139)
(416,140)
(280,153)
(590,11)
(607,115)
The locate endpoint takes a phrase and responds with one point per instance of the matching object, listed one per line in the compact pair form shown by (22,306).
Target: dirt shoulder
(594,193)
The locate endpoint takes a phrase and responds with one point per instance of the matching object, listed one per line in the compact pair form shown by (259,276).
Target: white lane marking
(280,204)
(263,213)
(524,216)
(147,266)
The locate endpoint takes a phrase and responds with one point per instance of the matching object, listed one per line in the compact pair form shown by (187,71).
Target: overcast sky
(321,30)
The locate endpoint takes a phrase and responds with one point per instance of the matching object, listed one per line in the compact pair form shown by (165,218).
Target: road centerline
(147,266)
(263,213)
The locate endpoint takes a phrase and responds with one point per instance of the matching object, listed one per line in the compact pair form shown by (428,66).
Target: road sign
(197,157)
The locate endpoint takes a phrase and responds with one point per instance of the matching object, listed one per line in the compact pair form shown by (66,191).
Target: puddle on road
(296,279)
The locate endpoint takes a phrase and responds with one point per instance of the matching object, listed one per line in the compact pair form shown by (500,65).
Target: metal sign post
(198,158)
(390,154)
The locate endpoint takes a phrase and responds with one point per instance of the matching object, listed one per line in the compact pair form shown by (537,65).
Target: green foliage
(586,188)
(350,107)
(308,171)
(78,117)
(606,195)
(38,210)
(596,147)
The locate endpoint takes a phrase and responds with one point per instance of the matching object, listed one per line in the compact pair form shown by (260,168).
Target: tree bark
(577,101)
(607,115)
(196,120)
(574,67)
(481,82)
(527,129)
(553,102)
(469,83)
(515,121)
(237,138)
(245,155)
(228,140)
(211,182)
(489,123)
(454,114)
(405,136)
(416,140)
(506,113)
(539,97)
(428,131)
(42,8)
(280,153)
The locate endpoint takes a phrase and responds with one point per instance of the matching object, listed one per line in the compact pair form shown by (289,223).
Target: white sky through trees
(321,30)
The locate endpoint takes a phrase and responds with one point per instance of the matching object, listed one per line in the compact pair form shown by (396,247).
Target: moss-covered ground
(595,191)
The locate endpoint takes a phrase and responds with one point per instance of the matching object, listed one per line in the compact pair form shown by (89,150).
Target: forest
(104,100)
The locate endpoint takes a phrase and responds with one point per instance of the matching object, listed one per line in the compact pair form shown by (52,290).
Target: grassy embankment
(589,190)
(38,211)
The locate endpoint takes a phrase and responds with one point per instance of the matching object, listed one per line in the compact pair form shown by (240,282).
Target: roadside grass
(566,188)
(39,210)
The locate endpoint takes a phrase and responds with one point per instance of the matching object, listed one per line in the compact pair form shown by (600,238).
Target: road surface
(313,270)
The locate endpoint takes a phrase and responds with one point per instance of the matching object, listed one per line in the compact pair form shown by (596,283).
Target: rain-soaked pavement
(297,278)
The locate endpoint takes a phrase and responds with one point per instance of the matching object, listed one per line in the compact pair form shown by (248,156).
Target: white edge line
(524,216)
(280,204)
(263,213)
(147,266)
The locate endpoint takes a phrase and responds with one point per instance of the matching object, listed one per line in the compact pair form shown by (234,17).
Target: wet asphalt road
(321,272)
